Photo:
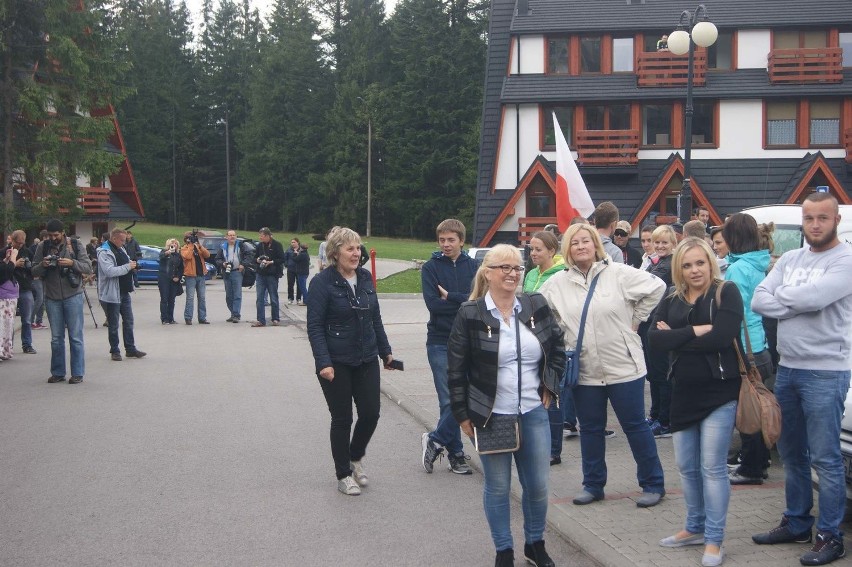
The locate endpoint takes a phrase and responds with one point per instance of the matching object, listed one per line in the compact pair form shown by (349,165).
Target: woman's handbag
(572,357)
(757,409)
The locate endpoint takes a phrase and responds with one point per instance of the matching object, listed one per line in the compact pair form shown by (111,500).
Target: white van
(788,224)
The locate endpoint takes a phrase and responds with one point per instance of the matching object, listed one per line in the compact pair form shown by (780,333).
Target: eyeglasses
(506,268)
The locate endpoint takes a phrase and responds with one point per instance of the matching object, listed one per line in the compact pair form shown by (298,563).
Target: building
(772,108)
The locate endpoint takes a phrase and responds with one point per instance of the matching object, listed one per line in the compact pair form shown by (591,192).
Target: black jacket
(454,276)
(23,275)
(472,355)
(299,262)
(345,328)
(634,257)
(171,265)
(275,251)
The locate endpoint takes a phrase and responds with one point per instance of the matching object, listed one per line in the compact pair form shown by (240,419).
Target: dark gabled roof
(797,176)
(568,16)
(740,84)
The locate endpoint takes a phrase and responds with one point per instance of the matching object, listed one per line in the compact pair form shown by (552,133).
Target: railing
(527,226)
(665,69)
(807,65)
(607,147)
(94,200)
(847,140)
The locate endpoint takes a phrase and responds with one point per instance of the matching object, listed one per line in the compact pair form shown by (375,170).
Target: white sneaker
(348,486)
(358,474)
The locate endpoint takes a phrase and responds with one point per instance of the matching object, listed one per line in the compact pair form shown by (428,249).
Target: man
(621,237)
(270,268)
(703,214)
(646,238)
(38,289)
(115,284)
(133,250)
(808,292)
(61,262)
(447,279)
(606,217)
(695,228)
(233,258)
(194,268)
(24,277)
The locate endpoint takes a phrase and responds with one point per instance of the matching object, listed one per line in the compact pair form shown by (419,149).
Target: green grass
(401,282)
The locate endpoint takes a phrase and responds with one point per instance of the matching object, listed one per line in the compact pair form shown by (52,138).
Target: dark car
(213,245)
(149,265)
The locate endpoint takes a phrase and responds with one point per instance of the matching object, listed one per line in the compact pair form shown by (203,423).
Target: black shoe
(229,319)
(75,380)
(782,534)
(827,548)
(505,558)
(55,379)
(29,350)
(536,555)
(555,461)
(430,451)
(188,321)
(135,354)
(116,356)
(203,322)
(458,463)
(737,478)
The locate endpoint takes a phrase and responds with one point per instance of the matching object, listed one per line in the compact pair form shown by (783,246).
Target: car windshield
(786,237)
(150,254)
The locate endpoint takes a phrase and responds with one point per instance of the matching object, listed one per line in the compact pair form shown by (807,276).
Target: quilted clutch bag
(500,435)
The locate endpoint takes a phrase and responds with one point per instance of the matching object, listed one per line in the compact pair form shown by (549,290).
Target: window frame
(672,125)
(544,111)
(803,125)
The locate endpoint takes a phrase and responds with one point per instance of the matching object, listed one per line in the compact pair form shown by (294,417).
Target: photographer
(233,258)
(61,262)
(194,268)
(115,285)
(298,265)
(270,267)
(24,278)
(168,280)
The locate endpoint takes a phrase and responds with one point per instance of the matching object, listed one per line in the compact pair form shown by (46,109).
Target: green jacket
(535,277)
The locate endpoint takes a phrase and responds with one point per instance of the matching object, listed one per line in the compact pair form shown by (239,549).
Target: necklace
(506,313)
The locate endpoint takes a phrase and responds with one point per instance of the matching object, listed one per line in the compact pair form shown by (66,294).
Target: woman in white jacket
(612,366)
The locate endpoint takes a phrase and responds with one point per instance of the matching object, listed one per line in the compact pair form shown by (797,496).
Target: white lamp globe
(679,42)
(704,34)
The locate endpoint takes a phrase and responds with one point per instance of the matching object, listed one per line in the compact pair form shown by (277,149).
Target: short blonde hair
(667,231)
(499,254)
(686,245)
(337,238)
(572,231)
(171,241)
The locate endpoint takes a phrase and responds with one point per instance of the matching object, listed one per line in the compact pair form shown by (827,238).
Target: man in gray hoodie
(115,284)
(808,292)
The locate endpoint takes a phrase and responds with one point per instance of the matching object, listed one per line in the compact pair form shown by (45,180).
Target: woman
(611,362)
(298,263)
(700,332)
(720,248)
(492,334)
(546,262)
(168,280)
(347,337)
(748,261)
(8,301)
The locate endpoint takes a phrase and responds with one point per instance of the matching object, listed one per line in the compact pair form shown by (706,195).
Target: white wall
(753,49)
(527,144)
(532,54)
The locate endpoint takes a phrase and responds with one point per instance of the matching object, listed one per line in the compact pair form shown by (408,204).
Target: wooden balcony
(665,69)
(803,66)
(607,147)
(94,200)
(847,141)
(527,226)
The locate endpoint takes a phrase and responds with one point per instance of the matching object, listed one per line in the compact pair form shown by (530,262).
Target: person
(703,214)
(232,258)
(664,239)
(647,242)
(8,300)
(195,257)
(699,333)
(611,364)
(544,248)
(347,338)
(808,292)
(92,253)
(24,278)
(515,369)
(446,280)
(322,260)
(720,248)
(134,252)
(37,322)
(168,280)
(301,262)
(748,264)
(115,285)
(663,43)
(694,228)
(61,262)
(270,267)
(621,238)
(606,217)
(291,255)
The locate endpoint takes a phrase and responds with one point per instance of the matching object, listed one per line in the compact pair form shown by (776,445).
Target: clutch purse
(500,435)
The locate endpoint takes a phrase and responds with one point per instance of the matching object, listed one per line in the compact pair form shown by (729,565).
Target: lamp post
(702,33)
(369,168)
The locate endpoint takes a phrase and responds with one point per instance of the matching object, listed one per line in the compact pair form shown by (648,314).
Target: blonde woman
(168,280)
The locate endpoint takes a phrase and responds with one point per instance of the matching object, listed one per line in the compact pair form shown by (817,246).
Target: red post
(373,264)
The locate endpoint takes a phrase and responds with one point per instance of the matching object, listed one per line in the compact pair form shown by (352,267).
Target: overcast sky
(262,5)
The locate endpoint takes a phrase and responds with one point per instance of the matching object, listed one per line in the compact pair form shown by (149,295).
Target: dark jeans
(657,364)
(291,285)
(113,311)
(25,307)
(754,455)
(262,286)
(168,293)
(561,416)
(359,383)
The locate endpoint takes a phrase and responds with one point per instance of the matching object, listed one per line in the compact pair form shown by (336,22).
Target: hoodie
(747,270)
(535,278)
(455,276)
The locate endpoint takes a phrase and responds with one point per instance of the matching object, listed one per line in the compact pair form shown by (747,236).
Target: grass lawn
(403,282)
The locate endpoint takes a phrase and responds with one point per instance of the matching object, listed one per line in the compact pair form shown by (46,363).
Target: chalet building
(772,108)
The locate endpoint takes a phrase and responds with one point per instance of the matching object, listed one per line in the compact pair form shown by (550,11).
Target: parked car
(479,253)
(149,265)
(212,244)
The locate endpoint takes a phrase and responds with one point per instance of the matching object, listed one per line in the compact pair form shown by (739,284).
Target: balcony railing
(527,226)
(94,200)
(665,69)
(607,147)
(847,141)
(809,65)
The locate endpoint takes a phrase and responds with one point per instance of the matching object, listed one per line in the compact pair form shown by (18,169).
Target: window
(799,40)
(541,202)
(613,117)
(846,46)
(781,123)
(565,115)
(825,124)
(590,54)
(557,55)
(622,54)
(702,123)
(657,125)
(651,39)
(720,54)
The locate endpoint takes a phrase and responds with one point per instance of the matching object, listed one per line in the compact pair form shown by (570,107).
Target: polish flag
(572,197)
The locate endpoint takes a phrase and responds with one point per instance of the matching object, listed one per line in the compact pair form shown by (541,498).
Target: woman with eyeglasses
(347,338)
(506,356)
(612,366)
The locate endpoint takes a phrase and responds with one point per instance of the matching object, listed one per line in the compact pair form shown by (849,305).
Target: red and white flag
(572,197)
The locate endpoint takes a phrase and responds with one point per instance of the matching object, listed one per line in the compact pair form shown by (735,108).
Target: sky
(263,5)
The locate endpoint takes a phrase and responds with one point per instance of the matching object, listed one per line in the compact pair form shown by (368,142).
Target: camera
(193,236)
(228,267)
(263,258)
(52,261)
(27,263)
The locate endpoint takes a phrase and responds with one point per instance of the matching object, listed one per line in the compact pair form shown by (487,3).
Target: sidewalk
(613,532)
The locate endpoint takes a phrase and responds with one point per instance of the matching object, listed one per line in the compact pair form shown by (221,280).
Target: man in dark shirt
(621,237)
(270,268)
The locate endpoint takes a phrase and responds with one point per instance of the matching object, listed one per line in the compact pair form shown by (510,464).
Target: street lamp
(369,167)
(681,42)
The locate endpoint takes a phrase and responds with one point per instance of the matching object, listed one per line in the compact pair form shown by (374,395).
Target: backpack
(249,276)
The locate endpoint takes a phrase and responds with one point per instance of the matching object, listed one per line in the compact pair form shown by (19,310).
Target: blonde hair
(686,245)
(667,231)
(169,242)
(498,253)
(572,231)
(338,237)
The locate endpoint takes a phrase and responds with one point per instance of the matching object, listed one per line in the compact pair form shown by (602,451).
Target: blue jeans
(627,399)
(195,284)
(701,452)
(125,311)
(234,292)
(263,285)
(302,286)
(447,433)
(25,306)
(560,416)
(62,313)
(38,302)
(811,409)
(533,463)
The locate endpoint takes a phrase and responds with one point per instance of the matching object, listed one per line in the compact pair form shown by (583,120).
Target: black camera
(28,264)
(228,267)
(263,258)
(52,261)
(193,236)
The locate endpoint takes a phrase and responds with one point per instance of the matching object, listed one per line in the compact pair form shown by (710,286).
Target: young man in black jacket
(270,268)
